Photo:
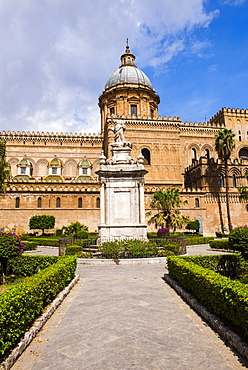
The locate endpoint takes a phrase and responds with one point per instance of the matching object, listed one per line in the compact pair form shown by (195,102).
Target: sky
(56,56)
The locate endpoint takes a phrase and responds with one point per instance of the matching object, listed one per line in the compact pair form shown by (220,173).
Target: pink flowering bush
(162,232)
(10,246)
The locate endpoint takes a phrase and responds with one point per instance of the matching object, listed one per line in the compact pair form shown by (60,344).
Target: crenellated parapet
(219,119)
(50,138)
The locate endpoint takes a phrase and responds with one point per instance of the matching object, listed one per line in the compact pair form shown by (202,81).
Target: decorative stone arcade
(122,192)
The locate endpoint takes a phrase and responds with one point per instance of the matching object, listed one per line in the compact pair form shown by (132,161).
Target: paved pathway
(125,317)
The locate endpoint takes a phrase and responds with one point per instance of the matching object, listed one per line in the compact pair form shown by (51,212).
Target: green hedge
(226,298)
(73,250)
(30,246)
(196,240)
(219,244)
(29,265)
(45,241)
(22,304)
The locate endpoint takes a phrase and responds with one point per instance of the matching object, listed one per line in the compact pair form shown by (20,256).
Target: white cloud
(58,54)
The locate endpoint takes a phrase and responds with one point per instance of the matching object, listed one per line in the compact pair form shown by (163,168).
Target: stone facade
(56,173)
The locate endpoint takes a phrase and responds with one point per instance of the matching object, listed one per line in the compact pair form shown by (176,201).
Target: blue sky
(57,55)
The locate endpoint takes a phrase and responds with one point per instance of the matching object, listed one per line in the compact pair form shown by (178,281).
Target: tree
(243,193)
(166,202)
(10,247)
(76,229)
(4,167)
(193,225)
(42,222)
(224,145)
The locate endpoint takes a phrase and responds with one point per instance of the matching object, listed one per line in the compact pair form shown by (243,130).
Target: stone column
(142,203)
(102,204)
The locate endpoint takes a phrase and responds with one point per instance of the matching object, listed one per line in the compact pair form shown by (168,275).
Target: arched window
(39,202)
(207,153)
(243,152)
(194,156)
(221,181)
(80,203)
(58,202)
(97,202)
(197,203)
(17,202)
(146,154)
(234,181)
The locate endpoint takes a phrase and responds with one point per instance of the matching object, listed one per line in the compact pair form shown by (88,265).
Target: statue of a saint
(119,132)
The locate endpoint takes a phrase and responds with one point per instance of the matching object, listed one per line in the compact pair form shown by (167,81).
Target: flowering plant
(10,245)
(162,232)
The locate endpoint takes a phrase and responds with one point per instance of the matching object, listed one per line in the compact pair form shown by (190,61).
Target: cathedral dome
(128,73)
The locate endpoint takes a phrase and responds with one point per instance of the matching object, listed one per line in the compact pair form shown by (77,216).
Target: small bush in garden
(111,250)
(11,246)
(73,250)
(82,234)
(221,235)
(238,240)
(162,232)
(193,225)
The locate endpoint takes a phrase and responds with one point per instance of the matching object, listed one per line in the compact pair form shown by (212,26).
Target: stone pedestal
(122,196)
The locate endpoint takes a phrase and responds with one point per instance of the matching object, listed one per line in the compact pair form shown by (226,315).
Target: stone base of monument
(122,195)
(126,232)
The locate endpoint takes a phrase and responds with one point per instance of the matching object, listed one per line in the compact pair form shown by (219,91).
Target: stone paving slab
(126,317)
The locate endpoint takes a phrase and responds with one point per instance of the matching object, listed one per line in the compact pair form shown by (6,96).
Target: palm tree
(224,145)
(4,167)
(166,202)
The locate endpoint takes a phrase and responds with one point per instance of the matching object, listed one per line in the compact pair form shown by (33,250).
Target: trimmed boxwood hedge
(226,298)
(22,304)
(45,241)
(219,244)
(30,245)
(26,265)
(196,240)
(73,249)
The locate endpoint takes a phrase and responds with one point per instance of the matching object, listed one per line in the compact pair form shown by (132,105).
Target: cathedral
(55,173)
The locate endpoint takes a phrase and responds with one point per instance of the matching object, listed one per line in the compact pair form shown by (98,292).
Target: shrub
(10,247)
(82,234)
(224,297)
(238,240)
(167,245)
(219,244)
(29,265)
(193,225)
(230,265)
(221,235)
(22,304)
(196,240)
(111,250)
(74,229)
(162,232)
(30,246)
(50,242)
(73,249)
(139,249)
